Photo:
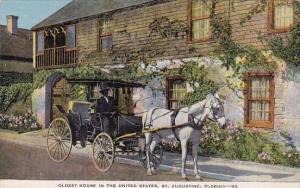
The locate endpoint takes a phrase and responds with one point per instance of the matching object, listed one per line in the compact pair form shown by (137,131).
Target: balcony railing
(56,57)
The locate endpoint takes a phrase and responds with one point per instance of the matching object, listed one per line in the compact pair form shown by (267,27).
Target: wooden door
(124,100)
(60,96)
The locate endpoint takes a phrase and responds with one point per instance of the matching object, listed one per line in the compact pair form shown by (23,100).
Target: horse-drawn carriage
(143,137)
(77,126)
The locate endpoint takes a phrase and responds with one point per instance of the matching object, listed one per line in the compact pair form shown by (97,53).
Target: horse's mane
(198,107)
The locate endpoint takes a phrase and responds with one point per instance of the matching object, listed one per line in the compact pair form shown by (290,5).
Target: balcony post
(34,48)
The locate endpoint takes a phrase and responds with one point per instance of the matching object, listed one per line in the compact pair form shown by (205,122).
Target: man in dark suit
(106,106)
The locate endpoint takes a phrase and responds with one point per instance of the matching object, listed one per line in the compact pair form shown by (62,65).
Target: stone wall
(287,108)
(287,92)
(39,105)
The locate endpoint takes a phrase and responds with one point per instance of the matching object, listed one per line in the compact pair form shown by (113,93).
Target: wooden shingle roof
(16,46)
(77,9)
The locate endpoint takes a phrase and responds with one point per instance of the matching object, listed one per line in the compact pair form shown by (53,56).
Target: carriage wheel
(59,140)
(155,157)
(103,152)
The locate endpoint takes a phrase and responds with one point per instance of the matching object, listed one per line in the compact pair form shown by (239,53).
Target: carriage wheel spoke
(64,131)
(155,162)
(59,139)
(63,145)
(51,146)
(52,136)
(60,151)
(60,128)
(157,158)
(54,154)
(144,159)
(108,155)
(55,130)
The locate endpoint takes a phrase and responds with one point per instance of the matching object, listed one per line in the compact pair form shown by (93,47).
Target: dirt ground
(27,163)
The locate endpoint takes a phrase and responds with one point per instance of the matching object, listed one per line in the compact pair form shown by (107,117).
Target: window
(259,100)
(200,22)
(49,41)
(71,36)
(105,34)
(176,92)
(60,39)
(282,15)
(40,42)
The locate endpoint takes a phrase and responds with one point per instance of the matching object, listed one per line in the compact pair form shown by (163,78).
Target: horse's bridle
(196,125)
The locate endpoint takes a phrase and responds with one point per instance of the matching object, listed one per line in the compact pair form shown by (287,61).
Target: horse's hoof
(149,173)
(184,177)
(153,172)
(199,177)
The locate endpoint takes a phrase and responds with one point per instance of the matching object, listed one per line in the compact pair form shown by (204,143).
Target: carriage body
(81,117)
(82,124)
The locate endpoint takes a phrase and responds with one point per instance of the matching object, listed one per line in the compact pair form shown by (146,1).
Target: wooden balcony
(56,57)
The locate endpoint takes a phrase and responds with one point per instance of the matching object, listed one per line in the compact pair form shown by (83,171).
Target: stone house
(15,47)
(111,33)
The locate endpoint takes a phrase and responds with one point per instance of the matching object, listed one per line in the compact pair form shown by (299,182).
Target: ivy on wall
(79,92)
(288,48)
(239,58)
(259,7)
(165,28)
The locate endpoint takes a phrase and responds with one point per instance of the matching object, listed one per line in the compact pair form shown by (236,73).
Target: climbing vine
(259,7)
(288,48)
(165,28)
(240,59)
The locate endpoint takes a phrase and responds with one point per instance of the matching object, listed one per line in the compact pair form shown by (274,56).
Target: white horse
(191,118)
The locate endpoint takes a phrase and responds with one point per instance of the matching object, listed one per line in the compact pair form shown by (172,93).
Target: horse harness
(191,123)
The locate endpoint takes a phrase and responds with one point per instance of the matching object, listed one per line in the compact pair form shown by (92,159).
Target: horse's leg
(183,157)
(195,149)
(148,142)
(155,141)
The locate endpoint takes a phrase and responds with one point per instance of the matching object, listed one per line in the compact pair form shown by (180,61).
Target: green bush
(9,78)
(240,143)
(14,93)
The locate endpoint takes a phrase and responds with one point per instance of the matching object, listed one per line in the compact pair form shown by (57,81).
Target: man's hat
(104,87)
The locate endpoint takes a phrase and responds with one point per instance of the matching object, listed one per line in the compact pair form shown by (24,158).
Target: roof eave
(40,26)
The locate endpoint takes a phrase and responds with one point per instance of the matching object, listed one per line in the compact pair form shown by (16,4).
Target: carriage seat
(81,110)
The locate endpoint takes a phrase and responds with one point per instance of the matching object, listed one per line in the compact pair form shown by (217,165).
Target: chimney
(12,24)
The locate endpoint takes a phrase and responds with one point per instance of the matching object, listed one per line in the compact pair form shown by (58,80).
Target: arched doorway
(60,96)
(57,92)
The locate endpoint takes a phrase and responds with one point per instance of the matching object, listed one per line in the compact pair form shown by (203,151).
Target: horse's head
(217,110)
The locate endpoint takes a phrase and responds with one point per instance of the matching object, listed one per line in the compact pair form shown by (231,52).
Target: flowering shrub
(239,143)
(19,123)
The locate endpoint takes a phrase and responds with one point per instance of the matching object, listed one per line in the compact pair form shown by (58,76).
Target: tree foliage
(14,93)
